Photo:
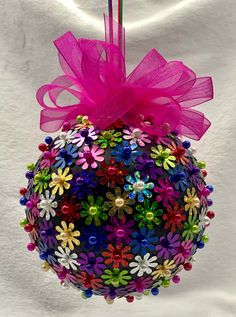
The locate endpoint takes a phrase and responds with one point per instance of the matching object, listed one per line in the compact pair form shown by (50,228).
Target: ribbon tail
(193,124)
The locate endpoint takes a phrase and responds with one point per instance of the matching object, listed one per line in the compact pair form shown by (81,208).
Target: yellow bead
(83,295)
(45,266)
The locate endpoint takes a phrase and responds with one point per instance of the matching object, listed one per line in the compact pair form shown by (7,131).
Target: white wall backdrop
(199,32)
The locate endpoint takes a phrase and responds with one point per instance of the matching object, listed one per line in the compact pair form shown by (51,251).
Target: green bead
(83,295)
(23,222)
(195,229)
(165,283)
(146,292)
(30,167)
(79,119)
(205,238)
(201,165)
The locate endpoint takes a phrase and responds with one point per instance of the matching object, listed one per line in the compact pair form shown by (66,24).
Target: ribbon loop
(158,96)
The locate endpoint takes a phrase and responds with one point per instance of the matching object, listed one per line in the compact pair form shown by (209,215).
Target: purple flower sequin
(90,263)
(48,233)
(168,245)
(147,167)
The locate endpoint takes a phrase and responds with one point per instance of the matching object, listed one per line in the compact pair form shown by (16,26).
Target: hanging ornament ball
(116,213)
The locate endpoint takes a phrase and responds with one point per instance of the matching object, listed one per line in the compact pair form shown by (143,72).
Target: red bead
(204,173)
(66,209)
(31,246)
(66,126)
(210,214)
(28,227)
(42,147)
(130,299)
(23,191)
(188,266)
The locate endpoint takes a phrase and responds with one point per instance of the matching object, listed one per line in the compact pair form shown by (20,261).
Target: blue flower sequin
(83,184)
(126,153)
(66,156)
(94,238)
(45,253)
(179,178)
(143,241)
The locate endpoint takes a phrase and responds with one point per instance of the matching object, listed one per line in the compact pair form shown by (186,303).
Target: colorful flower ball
(116,213)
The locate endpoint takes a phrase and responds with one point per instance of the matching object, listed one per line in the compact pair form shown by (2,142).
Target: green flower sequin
(41,180)
(190,227)
(93,211)
(148,214)
(116,277)
(109,138)
(163,157)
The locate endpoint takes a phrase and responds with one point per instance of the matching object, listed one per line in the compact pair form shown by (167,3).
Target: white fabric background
(199,32)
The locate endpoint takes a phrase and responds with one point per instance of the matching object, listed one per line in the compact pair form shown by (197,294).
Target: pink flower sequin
(90,157)
(165,192)
(135,135)
(183,252)
(49,158)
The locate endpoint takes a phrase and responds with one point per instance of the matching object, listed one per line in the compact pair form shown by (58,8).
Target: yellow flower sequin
(192,201)
(163,270)
(60,181)
(67,235)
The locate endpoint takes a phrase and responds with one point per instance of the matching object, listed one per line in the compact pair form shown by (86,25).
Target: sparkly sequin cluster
(116,213)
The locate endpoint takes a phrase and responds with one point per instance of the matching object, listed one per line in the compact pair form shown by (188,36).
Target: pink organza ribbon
(158,96)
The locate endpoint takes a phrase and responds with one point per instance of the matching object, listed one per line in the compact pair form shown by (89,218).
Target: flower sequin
(138,187)
(90,157)
(93,211)
(126,153)
(119,203)
(67,235)
(60,181)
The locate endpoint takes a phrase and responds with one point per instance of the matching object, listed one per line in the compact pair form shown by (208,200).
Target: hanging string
(120,12)
(116,32)
(110,8)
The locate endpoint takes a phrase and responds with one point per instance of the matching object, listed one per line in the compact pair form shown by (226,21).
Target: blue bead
(200,244)
(29,175)
(144,242)
(186,144)
(88,293)
(92,240)
(63,153)
(43,256)
(23,201)
(210,187)
(48,140)
(209,202)
(155,291)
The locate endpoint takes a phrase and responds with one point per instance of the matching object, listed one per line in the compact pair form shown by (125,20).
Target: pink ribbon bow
(157,97)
